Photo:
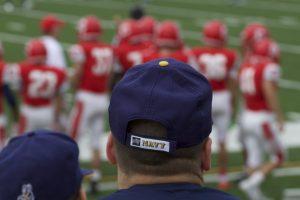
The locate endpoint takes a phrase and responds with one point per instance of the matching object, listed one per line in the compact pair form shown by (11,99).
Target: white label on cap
(27,193)
(150,144)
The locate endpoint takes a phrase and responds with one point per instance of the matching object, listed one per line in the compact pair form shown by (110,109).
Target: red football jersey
(130,55)
(2,64)
(253,72)
(216,64)
(96,59)
(39,83)
(182,55)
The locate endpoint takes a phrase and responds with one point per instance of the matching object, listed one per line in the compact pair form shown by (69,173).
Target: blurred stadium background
(282,17)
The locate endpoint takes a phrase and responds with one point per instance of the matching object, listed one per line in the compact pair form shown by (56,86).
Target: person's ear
(110,150)
(206,155)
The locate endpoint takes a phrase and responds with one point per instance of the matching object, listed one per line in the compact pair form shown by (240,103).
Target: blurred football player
(93,61)
(251,34)
(134,37)
(219,65)
(169,44)
(6,93)
(262,119)
(40,86)
(50,27)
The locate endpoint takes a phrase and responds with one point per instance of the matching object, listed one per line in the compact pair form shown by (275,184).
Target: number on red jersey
(214,66)
(135,58)
(247,82)
(104,59)
(42,84)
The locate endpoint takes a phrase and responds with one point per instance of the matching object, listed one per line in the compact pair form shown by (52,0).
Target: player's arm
(233,84)
(193,61)
(12,76)
(116,74)
(11,101)
(115,77)
(270,90)
(12,80)
(59,105)
(77,56)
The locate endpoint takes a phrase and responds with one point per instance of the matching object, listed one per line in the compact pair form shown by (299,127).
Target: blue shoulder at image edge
(208,193)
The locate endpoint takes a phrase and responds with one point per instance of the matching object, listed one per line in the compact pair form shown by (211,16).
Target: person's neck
(125,181)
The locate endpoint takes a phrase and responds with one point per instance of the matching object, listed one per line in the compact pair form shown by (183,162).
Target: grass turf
(281,16)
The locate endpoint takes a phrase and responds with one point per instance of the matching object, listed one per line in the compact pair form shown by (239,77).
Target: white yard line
(175,12)
(15,26)
(293,116)
(38,14)
(110,24)
(283,172)
(20,39)
(288,84)
(258,5)
(291,194)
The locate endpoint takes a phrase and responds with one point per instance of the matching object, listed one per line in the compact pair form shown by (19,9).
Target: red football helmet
(215,33)
(167,34)
(49,23)
(127,31)
(35,49)
(252,33)
(267,48)
(147,26)
(89,28)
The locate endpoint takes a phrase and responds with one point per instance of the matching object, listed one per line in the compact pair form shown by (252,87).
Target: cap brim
(86,172)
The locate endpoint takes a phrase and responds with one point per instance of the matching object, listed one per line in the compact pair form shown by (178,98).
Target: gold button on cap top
(163,63)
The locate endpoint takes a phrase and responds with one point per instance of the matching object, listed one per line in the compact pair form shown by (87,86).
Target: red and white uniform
(182,55)
(258,125)
(39,85)
(2,116)
(134,38)
(250,35)
(55,54)
(96,60)
(130,55)
(218,65)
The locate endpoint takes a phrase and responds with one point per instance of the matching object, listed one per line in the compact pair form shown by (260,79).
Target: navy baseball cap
(40,165)
(166,91)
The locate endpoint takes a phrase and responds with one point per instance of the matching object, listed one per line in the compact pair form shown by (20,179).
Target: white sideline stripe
(291,193)
(178,12)
(19,39)
(259,5)
(16,26)
(288,84)
(110,24)
(294,116)
(38,14)
(293,171)
(213,178)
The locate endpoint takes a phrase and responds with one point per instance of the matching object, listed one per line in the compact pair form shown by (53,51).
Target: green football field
(282,17)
